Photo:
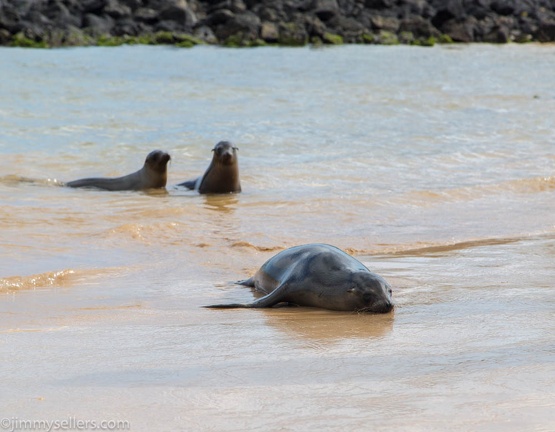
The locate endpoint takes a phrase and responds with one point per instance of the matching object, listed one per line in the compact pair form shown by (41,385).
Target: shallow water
(433,166)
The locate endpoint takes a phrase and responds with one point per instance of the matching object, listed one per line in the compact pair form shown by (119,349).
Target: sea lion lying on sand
(318,275)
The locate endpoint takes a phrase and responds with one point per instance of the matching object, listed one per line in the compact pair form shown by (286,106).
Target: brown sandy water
(441,181)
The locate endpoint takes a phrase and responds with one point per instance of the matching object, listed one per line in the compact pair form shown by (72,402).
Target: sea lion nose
(388,306)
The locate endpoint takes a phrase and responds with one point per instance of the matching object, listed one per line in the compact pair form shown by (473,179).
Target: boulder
(117,10)
(269,32)
(292,33)
(325,9)
(146,15)
(546,31)
(419,27)
(179,12)
(96,25)
(246,25)
(460,30)
(385,23)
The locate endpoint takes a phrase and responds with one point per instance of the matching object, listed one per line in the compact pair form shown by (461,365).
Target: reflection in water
(225,203)
(158,192)
(328,326)
(16,180)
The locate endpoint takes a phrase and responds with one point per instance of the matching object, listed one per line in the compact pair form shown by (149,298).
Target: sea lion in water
(222,175)
(318,275)
(152,175)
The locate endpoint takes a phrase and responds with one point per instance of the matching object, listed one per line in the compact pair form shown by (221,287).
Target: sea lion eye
(235,148)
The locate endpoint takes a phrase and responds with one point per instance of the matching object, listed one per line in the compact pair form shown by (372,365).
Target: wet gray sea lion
(222,175)
(318,275)
(152,175)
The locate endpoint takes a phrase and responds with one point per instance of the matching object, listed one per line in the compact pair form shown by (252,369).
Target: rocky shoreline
(237,23)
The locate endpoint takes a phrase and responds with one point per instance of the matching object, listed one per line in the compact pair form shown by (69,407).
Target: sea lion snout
(378,307)
(374,293)
(224,152)
(375,301)
(226,157)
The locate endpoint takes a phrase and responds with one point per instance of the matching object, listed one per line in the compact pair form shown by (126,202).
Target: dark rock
(37,18)
(117,10)
(420,8)
(71,36)
(93,6)
(546,32)
(269,32)
(325,9)
(388,24)
(289,22)
(460,31)
(146,15)
(33,31)
(21,7)
(238,6)
(292,34)
(127,27)
(179,12)
(267,13)
(5,36)
(96,25)
(57,12)
(214,6)
(503,7)
(479,9)
(220,17)
(205,34)
(132,4)
(498,32)
(446,11)
(379,4)
(167,26)
(245,24)
(8,19)
(419,27)
(314,26)
(347,25)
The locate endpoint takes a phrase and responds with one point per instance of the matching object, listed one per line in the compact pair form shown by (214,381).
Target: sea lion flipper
(227,306)
(267,301)
(189,184)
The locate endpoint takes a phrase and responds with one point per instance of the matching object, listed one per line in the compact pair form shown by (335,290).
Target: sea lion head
(157,161)
(369,292)
(225,153)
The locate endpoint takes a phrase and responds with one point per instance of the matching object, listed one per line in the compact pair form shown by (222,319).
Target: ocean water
(433,166)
